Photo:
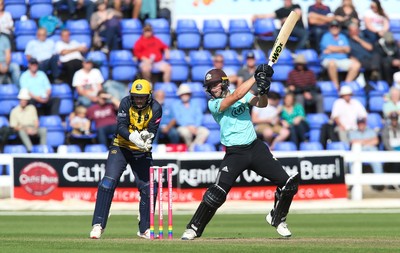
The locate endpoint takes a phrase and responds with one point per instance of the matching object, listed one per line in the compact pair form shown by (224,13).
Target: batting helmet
(213,77)
(141,88)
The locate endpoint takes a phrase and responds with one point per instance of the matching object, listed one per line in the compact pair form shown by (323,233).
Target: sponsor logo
(139,86)
(238,110)
(277,52)
(38,178)
(225,169)
(121,114)
(208,76)
(114,151)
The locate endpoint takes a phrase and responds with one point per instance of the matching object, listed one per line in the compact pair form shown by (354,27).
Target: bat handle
(270,63)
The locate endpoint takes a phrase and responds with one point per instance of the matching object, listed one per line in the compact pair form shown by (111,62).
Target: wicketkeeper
(138,119)
(243,150)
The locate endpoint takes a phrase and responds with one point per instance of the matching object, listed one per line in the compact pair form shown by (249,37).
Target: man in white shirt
(345,112)
(88,81)
(70,55)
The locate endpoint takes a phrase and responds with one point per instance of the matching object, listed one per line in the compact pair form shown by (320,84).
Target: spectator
(218,62)
(346,14)
(189,118)
(103,114)
(79,122)
(129,8)
(387,55)
(39,87)
(25,121)
(43,50)
(319,18)
(345,112)
(393,102)
(105,23)
(302,81)
(368,139)
(149,50)
(70,52)
(267,121)
(299,32)
(88,81)
(6,66)
(376,21)
(247,71)
(396,80)
(6,24)
(391,133)
(76,6)
(167,130)
(294,118)
(335,48)
(362,49)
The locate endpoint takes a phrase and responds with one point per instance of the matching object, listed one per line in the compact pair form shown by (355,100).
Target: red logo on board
(38,178)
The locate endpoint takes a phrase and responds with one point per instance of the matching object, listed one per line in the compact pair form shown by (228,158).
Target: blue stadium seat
(327,88)
(201,102)
(381,87)
(44,149)
(55,129)
(314,134)
(186,26)
(312,58)
(179,65)
(337,145)
(161,29)
(285,58)
(281,72)
(197,89)
(40,8)
(278,87)
(22,40)
(17,8)
(7,105)
(355,87)
(375,121)
(316,120)
(198,72)
(95,148)
(206,147)
(169,89)
(231,57)
(124,68)
(80,31)
(240,34)
(61,90)
(71,148)
(361,99)
(311,146)
(4,122)
(328,102)
(285,146)
(131,30)
(101,61)
(209,121)
(214,35)
(188,36)
(264,29)
(212,25)
(24,32)
(14,149)
(20,59)
(202,57)
(394,24)
(238,25)
(8,98)
(214,137)
(375,103)
(258,54)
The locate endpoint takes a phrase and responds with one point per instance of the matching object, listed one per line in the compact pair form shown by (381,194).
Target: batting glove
(135,138)
(264,68)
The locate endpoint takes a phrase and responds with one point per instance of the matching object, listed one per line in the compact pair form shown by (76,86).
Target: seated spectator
(346,14)
(6,66)
(376,21)
(345,112)
(43,50)
(319,18)
(167,131)
(247,71)
(294,117)
(189,117)
(103,112)
(7,24)
(387,56)
(218,62)
(369,141)
(149,50)
(393,102)
(39,87)
(362,49)
(299,32)
(70,52)
(267,121)
(303,83)
(105,23)
(391,133)
(79,122)
(88,81)
(25,121)
(335,48)
(76,6)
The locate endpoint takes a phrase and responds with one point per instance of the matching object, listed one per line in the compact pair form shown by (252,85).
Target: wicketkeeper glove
(146,135)
(135,138)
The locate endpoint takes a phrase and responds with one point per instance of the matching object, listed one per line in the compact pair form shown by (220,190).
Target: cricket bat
(283,37)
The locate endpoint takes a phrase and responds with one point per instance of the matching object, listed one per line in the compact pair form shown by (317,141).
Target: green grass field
(225,233)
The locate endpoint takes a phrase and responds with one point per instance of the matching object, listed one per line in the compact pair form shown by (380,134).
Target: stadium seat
(197,89)
(24,32)
(20,59)
(311,146)
(312,58)
(61,90)
(328,102)
(80,31)
(188,36)
(95,148)
(361,99)
(124,68)
(206,147)
(40,8)
(100,60)
(44,149)
(240,34)
(131,30)
(8,98)
(17,8)
(394,24)
(281,72)
(231,59)
(314,134)
(179,65)
(198,72)
(214,35)
(278,87)
(71,148)
(285,58)
(375,121)
(201,102)
(209,121)
(201,62)
(355,87)
(22,40)
(337,145)
(264,29)
(285,146)
(4,122)
(169,89)
(55,129)
(381,87)
(238,26)
(316,120)
(14,149)
(214,137)
(258,54)
(375,104)
(327,88)
(161,29)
